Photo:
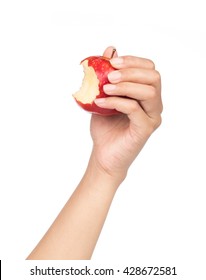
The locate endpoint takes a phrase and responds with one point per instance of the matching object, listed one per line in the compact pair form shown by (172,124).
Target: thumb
(109,52)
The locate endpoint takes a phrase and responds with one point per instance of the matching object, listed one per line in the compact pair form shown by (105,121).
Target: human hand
(135,91)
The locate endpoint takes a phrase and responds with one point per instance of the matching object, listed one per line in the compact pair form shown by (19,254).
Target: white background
(158,215)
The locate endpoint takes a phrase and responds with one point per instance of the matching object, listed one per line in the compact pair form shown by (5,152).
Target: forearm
(74,233)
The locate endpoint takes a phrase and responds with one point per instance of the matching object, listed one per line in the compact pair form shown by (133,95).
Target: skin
(117,140)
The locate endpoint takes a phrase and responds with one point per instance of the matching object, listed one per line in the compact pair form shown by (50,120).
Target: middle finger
(135,75)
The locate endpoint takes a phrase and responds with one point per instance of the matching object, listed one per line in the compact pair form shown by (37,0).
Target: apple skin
(102,67)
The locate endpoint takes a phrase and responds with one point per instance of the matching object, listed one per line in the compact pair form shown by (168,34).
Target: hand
(135,91)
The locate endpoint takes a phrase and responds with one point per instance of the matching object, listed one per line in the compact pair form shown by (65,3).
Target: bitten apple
(96,70)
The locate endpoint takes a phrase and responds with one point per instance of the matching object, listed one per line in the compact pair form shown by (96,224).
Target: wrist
(103,178)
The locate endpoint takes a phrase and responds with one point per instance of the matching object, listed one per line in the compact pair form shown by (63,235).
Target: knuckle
(157,122)
(152,93)
(151,64)
(156,76)
(152,126)
(134,106)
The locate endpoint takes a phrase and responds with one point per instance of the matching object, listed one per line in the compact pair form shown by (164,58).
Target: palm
(103,128)
(112,141)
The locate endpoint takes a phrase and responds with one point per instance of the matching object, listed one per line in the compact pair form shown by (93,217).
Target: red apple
(96,70)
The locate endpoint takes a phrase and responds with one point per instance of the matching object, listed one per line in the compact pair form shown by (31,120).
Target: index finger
(132,62)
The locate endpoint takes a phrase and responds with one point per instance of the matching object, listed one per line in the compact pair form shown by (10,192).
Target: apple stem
(113,52)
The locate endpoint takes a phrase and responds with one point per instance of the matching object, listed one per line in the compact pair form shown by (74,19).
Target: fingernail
(116,61)
(114,76)
(99,101)
(109,88)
